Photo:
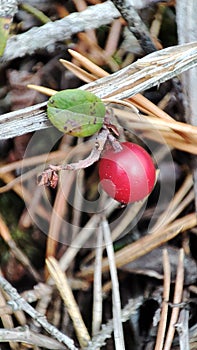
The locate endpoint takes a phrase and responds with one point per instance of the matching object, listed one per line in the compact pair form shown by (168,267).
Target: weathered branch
(187,32)
(24,335)
(141,75)
(8,8)
(135,24)
(18,303)
(47,35)
(23,121)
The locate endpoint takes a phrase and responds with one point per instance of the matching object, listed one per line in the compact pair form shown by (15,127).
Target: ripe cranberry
(128,175)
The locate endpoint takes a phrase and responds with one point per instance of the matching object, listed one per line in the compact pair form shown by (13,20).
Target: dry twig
(60,30)
(18,303)
(145,73)
(176,300)
(24,335)
(135,24)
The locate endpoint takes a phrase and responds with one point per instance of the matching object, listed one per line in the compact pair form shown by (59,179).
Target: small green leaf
(76,112)
(4,32)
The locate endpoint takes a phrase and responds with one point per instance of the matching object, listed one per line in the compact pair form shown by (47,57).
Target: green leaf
(4,32)
(76,112)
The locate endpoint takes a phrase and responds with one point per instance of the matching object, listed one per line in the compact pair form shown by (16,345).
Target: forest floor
(78,269)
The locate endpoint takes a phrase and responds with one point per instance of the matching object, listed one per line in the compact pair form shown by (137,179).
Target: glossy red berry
(128,175)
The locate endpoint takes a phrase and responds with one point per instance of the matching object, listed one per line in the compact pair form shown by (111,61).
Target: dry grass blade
(147,243)
(185,134)
(176,142)
(68,298)
(130,214)
(182,128)
(148,107)
(177,299)
(116,303)
(59,209)
(98,53)
(129,309)
(185,202)
(78,203)
(84,235)
(97,287)
(40,159)
(14,182)
(166,293)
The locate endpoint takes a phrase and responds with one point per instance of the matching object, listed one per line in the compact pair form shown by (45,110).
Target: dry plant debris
(78,269)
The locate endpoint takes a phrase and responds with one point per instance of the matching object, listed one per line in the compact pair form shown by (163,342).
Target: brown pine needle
(89,65)
(138,100)
(179,135)
(57,218)
(186,133)
(79,72)
(35,160)
(42,89)
(69,300)
(147,243)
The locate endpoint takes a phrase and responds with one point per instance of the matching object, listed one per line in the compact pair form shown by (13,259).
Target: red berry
(128,175)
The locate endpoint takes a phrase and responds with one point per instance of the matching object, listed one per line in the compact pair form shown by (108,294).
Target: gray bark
(143,74)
